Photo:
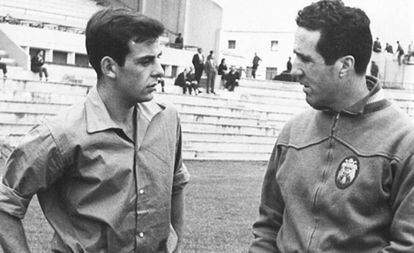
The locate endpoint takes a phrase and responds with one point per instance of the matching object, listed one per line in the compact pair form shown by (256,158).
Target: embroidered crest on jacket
(347,172)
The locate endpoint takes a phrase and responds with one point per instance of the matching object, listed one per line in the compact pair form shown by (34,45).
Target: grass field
(221,205)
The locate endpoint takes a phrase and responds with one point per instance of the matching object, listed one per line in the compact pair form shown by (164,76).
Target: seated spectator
(179,41)
(233,78)
(37,65)
(193,82)
(3,67)
(186,80)
(388,48)
(377,46)
(223,71)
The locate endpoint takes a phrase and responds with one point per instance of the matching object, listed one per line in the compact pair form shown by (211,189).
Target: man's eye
(145,63)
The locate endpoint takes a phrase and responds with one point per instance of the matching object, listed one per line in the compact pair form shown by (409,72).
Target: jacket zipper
(334,124)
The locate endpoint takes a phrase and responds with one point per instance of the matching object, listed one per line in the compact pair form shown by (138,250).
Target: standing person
(36,65)
(198,63)
(255,62)
(289,66)
(3,67)
(399,52)
(377,46)
(108,172)
(211,72)
(341,175)
(223,71)
(374,69)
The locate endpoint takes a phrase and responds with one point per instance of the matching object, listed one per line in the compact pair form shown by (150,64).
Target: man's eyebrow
(148,57)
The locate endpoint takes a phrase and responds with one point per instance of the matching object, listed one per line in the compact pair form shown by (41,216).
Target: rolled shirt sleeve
(31,167)
(181,174)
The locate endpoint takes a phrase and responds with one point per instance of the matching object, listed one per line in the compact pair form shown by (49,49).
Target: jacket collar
(98,118)
(366,104)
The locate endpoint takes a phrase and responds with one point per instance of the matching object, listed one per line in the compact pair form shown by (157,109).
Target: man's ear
(347,64)
(109,67)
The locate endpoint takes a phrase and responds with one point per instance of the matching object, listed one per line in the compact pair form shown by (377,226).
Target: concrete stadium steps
(20,108)
(219,155)
(36,97)
(22,117)
(210,104)
(231,128)
(25,85)
(247,139)
(206,146)
(240,125)
(220,119)
(17,129)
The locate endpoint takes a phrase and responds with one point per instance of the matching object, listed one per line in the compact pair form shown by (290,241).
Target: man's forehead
(305,41)
(146,47)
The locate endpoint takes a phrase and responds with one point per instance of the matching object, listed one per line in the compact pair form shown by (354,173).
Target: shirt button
(141,191)
(141,234)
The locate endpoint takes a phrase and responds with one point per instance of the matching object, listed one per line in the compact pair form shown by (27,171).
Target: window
(81,60)
(274,44)
(231,44)
(60,57)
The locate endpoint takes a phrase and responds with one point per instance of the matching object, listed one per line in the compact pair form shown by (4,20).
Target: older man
(341,176)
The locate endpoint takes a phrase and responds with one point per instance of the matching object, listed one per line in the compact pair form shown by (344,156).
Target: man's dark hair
(344,31)
(109,30)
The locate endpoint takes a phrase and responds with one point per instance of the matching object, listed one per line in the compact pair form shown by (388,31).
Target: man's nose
(159,70)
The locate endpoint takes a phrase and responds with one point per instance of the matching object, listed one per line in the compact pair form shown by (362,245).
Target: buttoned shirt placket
(139,192)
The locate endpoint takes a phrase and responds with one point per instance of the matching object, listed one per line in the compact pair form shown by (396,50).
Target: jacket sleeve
(402,204)
(271,208)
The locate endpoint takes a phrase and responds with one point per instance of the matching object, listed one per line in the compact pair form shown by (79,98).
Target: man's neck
(354,89)
(119,111)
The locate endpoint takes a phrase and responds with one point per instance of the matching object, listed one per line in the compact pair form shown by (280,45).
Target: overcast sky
(391,20)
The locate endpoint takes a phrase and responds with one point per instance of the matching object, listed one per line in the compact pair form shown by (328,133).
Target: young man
(198,63)
(341,176)
(211,72)
(108,172)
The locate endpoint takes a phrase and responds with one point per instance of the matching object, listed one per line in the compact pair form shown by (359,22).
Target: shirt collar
(98,118)
(375,94)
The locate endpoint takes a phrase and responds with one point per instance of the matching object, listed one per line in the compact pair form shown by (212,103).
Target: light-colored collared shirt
(94,193)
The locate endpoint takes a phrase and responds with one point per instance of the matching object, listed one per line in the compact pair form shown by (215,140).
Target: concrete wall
(45,38)
(203,25)
(14,50)
(169,12)
(199,21)
(53,40)
(249,42)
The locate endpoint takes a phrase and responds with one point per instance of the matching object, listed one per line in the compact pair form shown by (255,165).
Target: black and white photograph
(206,126)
